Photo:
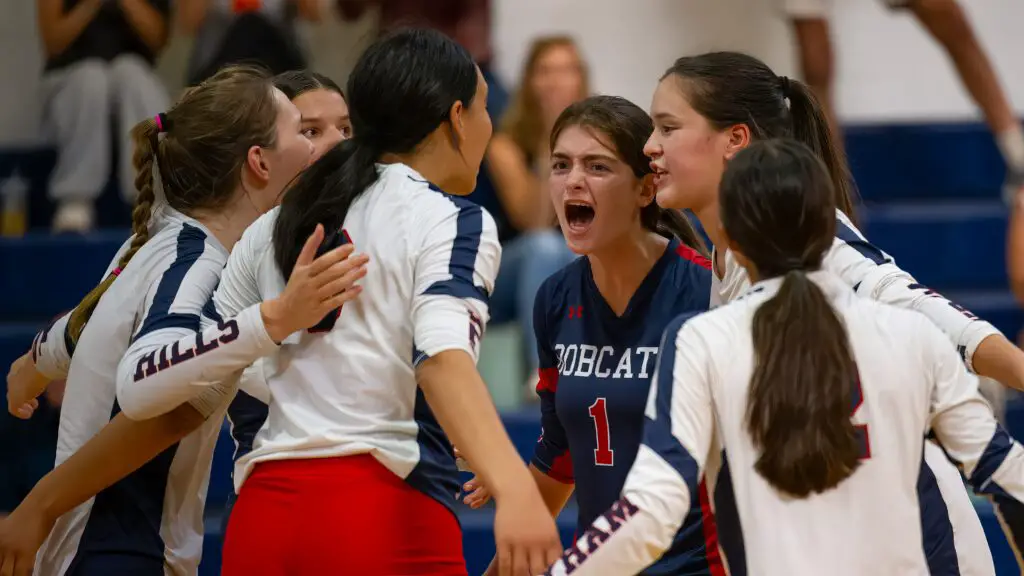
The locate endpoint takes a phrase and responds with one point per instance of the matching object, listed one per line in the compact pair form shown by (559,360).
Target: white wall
(888,67)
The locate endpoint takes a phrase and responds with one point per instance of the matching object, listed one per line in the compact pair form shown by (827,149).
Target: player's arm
(874,274)
(120,448)
(965,426)
(172,361)
(551,465)
(678,433)
(48,359)
(454,270)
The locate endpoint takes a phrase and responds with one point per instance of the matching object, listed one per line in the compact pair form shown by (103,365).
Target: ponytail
(811,127)
(322,194)
(801,392)
(145,142)
(672,223)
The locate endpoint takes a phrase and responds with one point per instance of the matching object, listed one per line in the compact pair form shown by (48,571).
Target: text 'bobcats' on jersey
(596,368)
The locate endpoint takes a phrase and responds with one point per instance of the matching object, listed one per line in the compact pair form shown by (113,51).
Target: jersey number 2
(863,438)
(603,454)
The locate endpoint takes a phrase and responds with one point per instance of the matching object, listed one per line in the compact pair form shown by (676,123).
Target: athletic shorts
(347,515)
(820,9)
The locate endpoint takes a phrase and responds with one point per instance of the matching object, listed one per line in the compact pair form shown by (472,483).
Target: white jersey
(874,274)
(156,513)
(910,381)
(956,533)
(352,388)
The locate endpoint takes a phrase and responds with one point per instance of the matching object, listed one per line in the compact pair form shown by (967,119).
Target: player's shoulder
(181,244)
(430,205)
(689,274)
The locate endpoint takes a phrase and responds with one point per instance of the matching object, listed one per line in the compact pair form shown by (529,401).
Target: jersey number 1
(603,454)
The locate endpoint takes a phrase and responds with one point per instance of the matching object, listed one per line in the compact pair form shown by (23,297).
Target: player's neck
(227,223)
(708,217)
(620,268)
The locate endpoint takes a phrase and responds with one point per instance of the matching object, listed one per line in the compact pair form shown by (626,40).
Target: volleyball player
(708,107)
(325,122)
(599,320)
(806,404)
(223,154)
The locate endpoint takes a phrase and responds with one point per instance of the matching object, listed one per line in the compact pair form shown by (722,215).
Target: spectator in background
(258,32)
(554,76)
(468,22)
(947,23)
(99,68)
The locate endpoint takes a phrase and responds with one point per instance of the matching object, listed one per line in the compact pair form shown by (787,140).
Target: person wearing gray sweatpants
(99,81)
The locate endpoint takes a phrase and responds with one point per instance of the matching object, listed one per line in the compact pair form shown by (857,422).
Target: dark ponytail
(322,194)
(812,128)
(400,91)
(778,208)
(731,88)
(626,127)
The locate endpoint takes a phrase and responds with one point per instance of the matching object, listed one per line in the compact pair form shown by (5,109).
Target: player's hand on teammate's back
(525,534)
(21,535)
(476,493)
(316,286)
(24,386)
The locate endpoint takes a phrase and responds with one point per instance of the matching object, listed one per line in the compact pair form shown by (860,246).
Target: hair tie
(116,271)
(161,122)
(793,265)
(785,86)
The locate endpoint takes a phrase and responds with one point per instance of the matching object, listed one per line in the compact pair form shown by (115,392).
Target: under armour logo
(575,312)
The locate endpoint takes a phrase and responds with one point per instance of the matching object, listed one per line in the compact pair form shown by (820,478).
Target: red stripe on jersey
(692,255)
(548,380)
(714,557)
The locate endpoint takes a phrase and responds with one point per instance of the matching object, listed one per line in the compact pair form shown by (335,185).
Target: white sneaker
(74,216)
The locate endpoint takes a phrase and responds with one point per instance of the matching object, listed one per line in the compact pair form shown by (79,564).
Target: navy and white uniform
(150,522)
(954,535)
(911,381)
(595,373)
(350,388)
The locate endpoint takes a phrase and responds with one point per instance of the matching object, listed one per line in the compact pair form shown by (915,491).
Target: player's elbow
(136,401)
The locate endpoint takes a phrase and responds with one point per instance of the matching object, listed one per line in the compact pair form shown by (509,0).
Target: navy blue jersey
(595,373)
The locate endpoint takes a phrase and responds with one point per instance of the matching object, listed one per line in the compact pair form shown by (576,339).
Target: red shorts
(338,516)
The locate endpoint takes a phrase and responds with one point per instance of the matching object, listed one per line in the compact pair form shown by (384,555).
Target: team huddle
(788,402)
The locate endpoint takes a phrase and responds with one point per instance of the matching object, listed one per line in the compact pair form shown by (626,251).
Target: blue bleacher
(931,197)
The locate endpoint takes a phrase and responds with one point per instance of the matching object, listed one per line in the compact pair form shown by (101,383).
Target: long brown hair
(624,127)
(522,121)
(778,207)
(730,88)
(199,147)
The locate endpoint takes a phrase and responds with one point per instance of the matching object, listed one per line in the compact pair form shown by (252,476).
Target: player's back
(153,513)
(350,387)
(870,523)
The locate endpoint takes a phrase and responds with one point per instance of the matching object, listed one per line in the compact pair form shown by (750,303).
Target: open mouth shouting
(579,215)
